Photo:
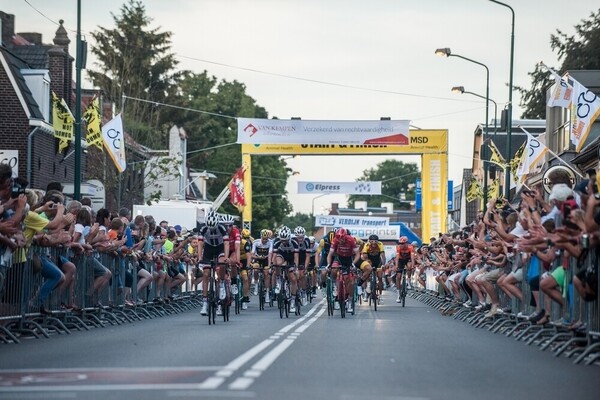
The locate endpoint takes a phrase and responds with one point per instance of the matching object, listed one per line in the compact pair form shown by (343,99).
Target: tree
(579,51)
(396,178)
(136,61)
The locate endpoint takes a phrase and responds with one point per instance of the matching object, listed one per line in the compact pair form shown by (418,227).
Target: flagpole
(78,66)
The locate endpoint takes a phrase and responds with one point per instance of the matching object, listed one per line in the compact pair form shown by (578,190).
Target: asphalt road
(395,353)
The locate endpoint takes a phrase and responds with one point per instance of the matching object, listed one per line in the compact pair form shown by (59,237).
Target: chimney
(62,39)
(32,37)
(334,209)
(7,25)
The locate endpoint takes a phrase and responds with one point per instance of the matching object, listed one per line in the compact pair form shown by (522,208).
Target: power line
(158,103)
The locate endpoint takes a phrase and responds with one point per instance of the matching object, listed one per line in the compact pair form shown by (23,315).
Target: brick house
(29,71)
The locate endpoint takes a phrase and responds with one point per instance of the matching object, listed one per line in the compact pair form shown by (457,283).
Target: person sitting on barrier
(173,250)
(143,253)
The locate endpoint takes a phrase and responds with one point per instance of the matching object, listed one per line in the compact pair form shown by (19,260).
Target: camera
(18,187)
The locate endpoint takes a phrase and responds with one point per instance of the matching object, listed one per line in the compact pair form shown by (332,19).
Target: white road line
(265,362)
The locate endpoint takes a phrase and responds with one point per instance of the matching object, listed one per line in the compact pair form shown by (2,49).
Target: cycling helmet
(284,233)
(270,234)
(227,219)
(374,237)
(415,243)
(403,239)
(245,233)
(312,240)
(264,234)
(299,231)
(341,232)
(212,219)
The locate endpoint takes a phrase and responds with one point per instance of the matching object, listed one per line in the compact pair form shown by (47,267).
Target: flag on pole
(114,142)
(92,123)
(517,160)
(534,151)
(496,157)
(236,190)
(561,91)
(585,109)
(494,189)
(474,191)
(62,121)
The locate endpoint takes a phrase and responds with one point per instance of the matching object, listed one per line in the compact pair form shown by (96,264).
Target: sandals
(544,320)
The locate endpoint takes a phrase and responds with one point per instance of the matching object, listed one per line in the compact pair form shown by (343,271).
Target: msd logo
(251,129)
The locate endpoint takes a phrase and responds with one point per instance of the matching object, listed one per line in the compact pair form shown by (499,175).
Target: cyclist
(322,254)
(405,254)
(213,243)
(262,252)
(373,256)
(285,254)
(245,259)
(302,247)
(342,255)
(234,249)
(311,265)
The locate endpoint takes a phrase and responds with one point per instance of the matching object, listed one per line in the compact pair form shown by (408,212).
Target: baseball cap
(582,187)
(177,228)
(560,192)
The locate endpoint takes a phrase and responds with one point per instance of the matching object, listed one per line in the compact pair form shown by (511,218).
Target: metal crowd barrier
(578,337)
(87,301)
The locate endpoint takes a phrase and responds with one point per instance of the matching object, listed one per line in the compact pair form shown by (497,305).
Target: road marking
(265,362)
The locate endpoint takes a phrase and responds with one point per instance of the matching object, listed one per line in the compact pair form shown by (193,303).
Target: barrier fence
(575,327)
(50,290)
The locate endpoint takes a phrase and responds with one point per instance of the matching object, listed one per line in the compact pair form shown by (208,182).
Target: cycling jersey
(404,253)
(323,250)
(262,249)
(303,248)
(245,247)
(285,249)
(344,247)
(373,251)
(212,240)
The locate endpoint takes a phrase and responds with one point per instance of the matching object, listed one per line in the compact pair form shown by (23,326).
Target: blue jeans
(52,276)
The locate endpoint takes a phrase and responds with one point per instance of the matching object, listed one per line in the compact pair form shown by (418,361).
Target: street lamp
(461,90)
(446,52)
(313,202)
(510,104)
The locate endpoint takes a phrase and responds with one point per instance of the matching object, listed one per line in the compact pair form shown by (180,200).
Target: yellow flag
(516,161)
(494,189)
(62,122)
(474,191)
(92,122)
(496,157)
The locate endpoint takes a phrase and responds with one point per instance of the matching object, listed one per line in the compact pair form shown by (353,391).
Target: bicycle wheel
(342,296)
(261,292)
(281,304)
(298,304)
(329,294)
(403,292)
(374,291)
(237,298)
(211,301)
(353,300)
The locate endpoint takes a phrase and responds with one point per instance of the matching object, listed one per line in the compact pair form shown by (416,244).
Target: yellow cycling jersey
(373,249)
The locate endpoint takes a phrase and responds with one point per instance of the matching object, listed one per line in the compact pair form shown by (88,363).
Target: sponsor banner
(114,142)
(421,141)
(418,196)
(258,131)
(434,186)
(339,187)
(450,195)
(348,221)
(390,232)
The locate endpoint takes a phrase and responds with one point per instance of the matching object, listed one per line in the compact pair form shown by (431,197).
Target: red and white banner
(274,131)
(236,190)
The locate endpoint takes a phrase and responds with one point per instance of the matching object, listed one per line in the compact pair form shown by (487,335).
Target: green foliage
(396,177)
(306,221)
(577,52)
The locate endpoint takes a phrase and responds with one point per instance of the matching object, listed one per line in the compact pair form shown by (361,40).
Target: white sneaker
(304,301)
(335,290)
(293,307)
(349,307)
(398,300)
(234,288)
(244,306)
(255,290)
(368,289)
(222,292)
(360,290)
(468,303)
(313,294)
(365,297)
(267,297)
(380,300)
(219,311)
(277,288)
(204,309)
(336,305)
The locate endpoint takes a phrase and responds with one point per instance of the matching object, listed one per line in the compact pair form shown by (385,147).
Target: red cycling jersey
(344,247)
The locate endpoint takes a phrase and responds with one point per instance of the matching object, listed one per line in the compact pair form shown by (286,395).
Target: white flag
(534,151)
(561,92)
(114,142)
(585,108)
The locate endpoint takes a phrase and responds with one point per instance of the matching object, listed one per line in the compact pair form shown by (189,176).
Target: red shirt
(344,247)
(234,236)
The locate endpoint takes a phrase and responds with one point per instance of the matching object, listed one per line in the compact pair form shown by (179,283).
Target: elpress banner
(348,221)
(339,187)
(273,131)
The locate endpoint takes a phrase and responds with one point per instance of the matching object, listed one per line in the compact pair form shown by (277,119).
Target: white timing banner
(339,187)
(348,221)
(294,131)
(391,232)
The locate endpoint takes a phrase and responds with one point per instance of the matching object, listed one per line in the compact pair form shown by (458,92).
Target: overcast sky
(373,58)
